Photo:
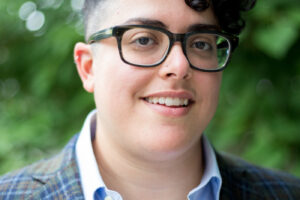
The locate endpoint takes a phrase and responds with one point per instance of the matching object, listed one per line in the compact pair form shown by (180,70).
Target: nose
(176,65)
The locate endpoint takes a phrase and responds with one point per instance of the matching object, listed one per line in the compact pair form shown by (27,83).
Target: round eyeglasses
(148,46)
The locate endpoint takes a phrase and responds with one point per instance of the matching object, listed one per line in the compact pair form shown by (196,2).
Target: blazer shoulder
(256,182)
(32,179)
(20,182)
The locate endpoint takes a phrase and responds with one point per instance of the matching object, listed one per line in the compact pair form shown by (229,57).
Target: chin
(168,145)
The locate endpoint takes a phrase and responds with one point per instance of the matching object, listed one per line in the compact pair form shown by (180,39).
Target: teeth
(168,101)
(161,100)
(186,101)
(155,100)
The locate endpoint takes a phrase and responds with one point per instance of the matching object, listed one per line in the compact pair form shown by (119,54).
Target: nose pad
(176,64)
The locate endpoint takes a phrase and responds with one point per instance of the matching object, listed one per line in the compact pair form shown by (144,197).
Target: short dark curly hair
(227,12)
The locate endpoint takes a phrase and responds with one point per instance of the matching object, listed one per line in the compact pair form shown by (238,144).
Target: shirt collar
(89,174)
(91,179)
(211,182)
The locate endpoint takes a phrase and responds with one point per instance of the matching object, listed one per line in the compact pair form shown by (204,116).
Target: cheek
(208,86)
(208,95)
(117,85)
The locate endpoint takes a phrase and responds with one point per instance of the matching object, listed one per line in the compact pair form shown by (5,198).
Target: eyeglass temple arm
(100,35)
(235,43)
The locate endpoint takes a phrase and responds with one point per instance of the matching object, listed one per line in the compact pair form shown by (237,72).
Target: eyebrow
(195,27)
(157,23)
(145,21)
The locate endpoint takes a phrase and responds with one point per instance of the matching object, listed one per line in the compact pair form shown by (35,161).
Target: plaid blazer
(58,178)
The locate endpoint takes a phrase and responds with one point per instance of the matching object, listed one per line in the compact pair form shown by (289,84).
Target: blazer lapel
(59,177)
(236,179)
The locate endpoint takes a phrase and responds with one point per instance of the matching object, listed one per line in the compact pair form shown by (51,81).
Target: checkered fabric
(54,178)
(242,180)
(58,178)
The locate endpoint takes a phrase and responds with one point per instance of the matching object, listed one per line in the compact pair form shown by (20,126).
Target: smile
(168,101)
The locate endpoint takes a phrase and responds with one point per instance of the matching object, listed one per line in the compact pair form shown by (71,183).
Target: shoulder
(43,177)
(248,181)
(22,181)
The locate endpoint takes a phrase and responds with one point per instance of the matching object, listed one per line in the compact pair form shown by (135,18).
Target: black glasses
(148,46)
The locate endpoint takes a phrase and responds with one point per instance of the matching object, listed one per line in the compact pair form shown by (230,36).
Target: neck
(144,179)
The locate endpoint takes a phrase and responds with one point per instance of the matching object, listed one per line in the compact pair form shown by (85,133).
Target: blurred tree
(258,117)
(42,103)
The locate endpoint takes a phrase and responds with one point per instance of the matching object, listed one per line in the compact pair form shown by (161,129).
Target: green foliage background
(42,103)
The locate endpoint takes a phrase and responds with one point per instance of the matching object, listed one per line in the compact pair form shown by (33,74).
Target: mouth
(169,101)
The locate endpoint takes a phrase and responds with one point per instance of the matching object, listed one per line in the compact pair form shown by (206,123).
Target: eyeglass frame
(118,31)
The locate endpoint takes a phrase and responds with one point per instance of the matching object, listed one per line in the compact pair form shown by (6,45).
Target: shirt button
(108,198)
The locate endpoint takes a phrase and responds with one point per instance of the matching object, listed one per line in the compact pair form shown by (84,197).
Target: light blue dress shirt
(95,189)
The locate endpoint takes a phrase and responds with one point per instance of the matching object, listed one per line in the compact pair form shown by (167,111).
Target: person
(155,69)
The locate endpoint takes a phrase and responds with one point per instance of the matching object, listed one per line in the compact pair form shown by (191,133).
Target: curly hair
(227,12)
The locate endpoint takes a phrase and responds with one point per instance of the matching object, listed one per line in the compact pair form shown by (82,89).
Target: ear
(84,62)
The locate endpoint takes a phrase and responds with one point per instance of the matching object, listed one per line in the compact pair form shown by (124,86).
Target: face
(128,117)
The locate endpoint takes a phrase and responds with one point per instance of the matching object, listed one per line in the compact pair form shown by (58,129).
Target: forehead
(175,14)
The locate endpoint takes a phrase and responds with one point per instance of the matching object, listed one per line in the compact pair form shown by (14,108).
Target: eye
(202,45)
(144,41)
(143,38)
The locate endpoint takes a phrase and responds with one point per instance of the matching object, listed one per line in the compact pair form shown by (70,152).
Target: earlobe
(84,62)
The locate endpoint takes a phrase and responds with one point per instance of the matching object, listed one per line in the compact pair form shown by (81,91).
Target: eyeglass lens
(142,46)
